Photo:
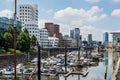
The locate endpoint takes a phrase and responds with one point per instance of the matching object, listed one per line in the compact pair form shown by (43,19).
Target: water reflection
(99,71)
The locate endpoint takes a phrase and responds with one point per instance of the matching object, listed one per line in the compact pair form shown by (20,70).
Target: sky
(91,16)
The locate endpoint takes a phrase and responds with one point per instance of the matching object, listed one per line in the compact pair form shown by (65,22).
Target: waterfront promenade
(116,72)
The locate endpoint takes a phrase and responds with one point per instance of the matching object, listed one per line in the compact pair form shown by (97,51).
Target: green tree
(10,29)
(23,42)
(33,41)
(25,30)
(1,40)
(8,39)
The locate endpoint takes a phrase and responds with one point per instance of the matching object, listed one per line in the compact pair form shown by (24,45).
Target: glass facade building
(4,22)
(75,34)
(105,37)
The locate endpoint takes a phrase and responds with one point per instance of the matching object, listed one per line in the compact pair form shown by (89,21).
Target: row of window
(43,33)
(31,11)
(47,43)
(31,25)
(43,36)
(32,31)
(25,17)
(25,7)
(22,20)
(26,14)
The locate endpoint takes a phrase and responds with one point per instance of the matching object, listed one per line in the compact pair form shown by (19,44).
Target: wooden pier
(76,73)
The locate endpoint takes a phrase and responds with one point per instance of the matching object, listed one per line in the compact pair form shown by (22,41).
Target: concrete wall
(8,60)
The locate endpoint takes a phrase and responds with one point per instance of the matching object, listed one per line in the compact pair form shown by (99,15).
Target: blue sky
(91,16)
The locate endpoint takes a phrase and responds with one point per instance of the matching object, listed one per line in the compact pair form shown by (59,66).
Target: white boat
(20,68)
(8,70)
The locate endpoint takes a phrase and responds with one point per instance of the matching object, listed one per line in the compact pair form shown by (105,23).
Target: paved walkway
(116,72)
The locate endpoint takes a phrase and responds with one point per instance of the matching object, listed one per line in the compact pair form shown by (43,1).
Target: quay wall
(8,60)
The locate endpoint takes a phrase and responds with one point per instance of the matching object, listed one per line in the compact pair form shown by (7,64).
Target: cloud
(63,27)
(92,1)
(80,16)
(117,1)
(41,22)
(84,30)
(88,29)
(6,13)
(116,12)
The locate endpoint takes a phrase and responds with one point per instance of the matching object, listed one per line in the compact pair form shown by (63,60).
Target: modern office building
(4,22)
(28,15)
(53,31)
(43,37)
(116,38)
(53,41)
(105,37)
(71,33)
(52,28)
(28,12)
(90,39)
(67,41)
(46,41)
(75,34)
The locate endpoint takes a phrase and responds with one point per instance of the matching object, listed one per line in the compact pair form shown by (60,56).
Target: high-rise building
(116,38)
(28,15)
(90,39)
(28,12)
(105,37)
(75,34)
(53,31)
(71,33)
(52,28)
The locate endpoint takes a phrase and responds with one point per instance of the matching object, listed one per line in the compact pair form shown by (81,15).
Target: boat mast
(15,25)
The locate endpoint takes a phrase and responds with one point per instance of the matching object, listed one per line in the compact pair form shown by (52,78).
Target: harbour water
(96,72)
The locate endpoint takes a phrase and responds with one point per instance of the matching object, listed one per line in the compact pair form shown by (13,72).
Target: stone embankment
(116,72)
(8,60)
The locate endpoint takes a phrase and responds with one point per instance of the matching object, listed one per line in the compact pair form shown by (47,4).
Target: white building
(43,37)
(45,40)
(28,15)
(53,41)
(28,12)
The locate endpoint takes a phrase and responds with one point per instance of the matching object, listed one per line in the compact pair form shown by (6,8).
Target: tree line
(23,41)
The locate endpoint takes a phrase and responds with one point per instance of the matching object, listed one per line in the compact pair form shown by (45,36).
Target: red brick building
(53,30)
